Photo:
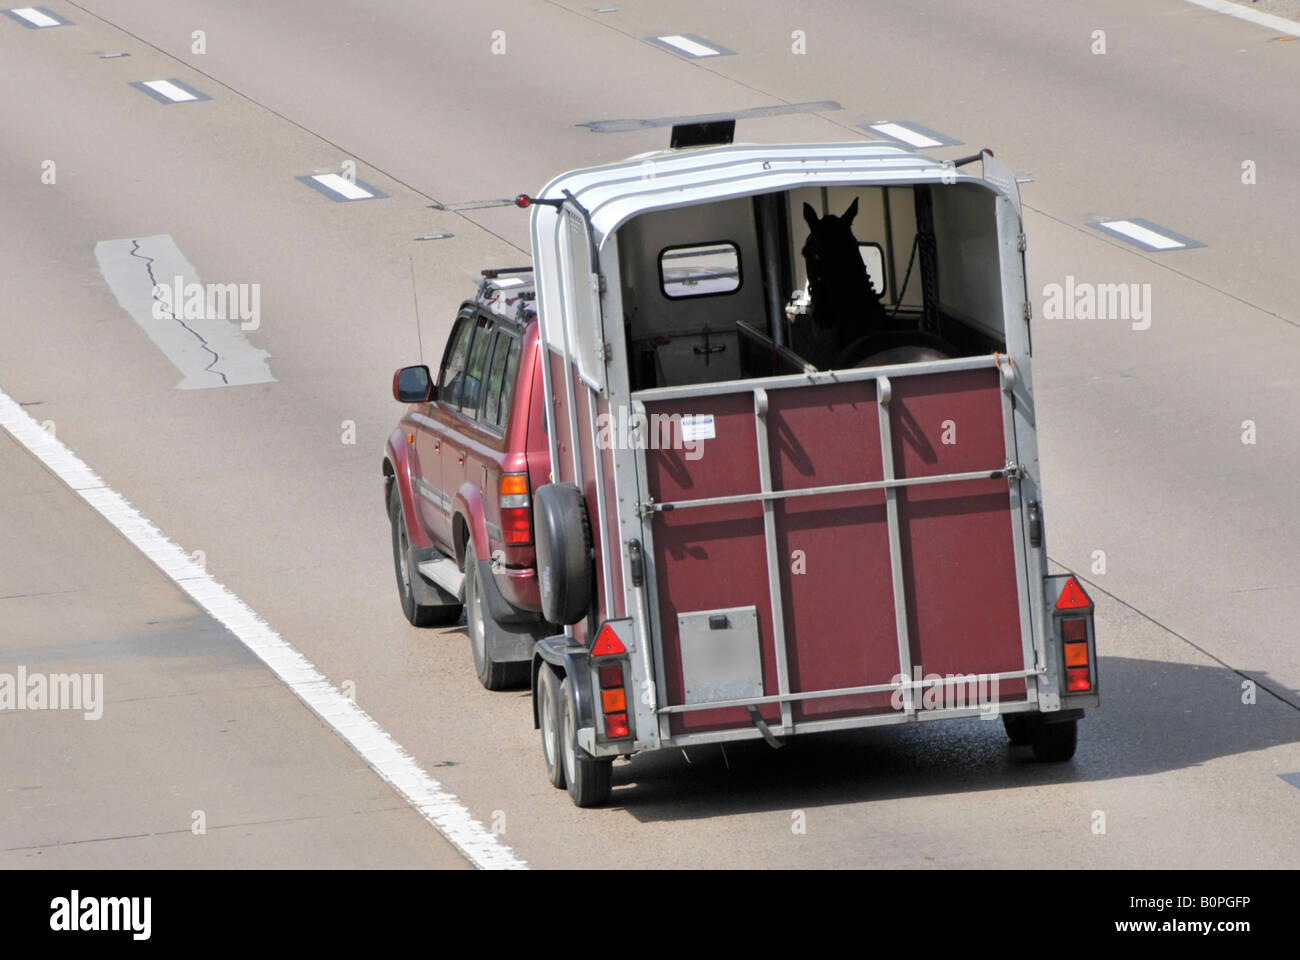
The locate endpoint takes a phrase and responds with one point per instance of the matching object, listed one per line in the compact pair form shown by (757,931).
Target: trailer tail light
(1072,596)
(1074,629)
(516,510)
(1074,642)
(1078,680)
(613,693)
(607,643)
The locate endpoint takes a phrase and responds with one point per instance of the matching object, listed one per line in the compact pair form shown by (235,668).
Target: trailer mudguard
(572,659)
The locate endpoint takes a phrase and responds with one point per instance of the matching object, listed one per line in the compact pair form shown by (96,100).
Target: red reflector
(607,643)
(1074,629)
(516,527)
(1077,680)
(611,675)
(616,726)
(1072,596)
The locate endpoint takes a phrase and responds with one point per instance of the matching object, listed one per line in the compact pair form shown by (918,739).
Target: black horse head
(841,288)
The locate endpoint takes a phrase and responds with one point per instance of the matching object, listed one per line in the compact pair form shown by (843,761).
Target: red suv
(459,472)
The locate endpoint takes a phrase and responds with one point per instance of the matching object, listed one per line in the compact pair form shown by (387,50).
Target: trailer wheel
(493,674)
(589,779)
(563,533)
(548,717)
(1017,727)
(419,614)
(1054,742)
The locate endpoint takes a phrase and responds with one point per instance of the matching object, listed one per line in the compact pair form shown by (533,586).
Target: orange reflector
(1076,654)
(612,701)
(410,438)
(607,643)
(1072,596)
(1074,629)
(512,483)
(616,726)
(1077,680)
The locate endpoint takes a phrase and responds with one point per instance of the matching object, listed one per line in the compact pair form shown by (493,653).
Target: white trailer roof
(614,193)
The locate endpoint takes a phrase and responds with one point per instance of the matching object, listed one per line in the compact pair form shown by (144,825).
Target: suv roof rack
(493,272)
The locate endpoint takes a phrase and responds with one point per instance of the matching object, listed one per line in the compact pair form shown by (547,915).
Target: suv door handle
(437,446)
(461,460)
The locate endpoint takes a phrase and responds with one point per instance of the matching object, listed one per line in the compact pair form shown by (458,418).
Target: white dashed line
(899,132)
(36,17)
(384,755)
(342,186)
(1141,234)
(169,90)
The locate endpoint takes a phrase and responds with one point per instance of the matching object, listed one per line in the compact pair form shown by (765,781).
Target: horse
(846,309)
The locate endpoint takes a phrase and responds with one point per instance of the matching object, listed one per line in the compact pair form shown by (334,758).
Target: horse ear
(850,213)
(810,215)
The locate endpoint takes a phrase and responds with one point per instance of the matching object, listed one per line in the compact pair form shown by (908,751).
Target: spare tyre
(564,567)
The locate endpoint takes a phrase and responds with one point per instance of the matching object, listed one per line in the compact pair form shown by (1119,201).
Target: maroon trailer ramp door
(829,562)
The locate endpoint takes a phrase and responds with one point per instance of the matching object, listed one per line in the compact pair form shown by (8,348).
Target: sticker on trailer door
(697,427)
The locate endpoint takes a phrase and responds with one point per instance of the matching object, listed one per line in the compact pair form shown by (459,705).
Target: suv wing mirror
(414,385)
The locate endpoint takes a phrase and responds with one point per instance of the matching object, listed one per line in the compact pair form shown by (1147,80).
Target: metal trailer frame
(602,199)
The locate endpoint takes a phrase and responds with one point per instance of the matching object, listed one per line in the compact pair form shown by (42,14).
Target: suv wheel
(493,674)
(419,614)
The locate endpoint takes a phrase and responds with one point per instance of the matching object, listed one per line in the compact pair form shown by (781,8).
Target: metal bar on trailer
(885,393)
(773,560)
(813,377)
(905,685)
(654,631)
(1009,470)
(1030,654)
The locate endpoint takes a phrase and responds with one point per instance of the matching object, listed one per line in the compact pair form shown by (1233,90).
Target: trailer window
(873,258)
(699,270)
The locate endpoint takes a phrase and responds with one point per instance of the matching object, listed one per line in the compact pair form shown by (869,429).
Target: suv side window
(501,380)
(472,394)
(453,365)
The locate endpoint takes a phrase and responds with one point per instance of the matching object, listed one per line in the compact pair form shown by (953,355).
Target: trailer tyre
(549,719)
(563,533)
(589,779)
(1017,727)
(1054,742)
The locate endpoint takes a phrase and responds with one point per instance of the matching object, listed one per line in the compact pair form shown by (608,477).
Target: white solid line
(170,90)
(1142,235)
(342,186)
(384,755)
(1270,20)
(35,17)
(906,134)
(687,45)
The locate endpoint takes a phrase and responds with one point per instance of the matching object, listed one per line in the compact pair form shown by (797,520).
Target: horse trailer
(794,481)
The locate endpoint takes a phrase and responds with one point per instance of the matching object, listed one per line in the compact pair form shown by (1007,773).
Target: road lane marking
(37,17)
(340,188)
(628,125)
(170,91)
(689,45)
(381,752)
(1145,234)
(198,327)
(1270,20)
(912,134)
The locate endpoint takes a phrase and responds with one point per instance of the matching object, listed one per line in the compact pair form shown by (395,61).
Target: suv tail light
(516,510)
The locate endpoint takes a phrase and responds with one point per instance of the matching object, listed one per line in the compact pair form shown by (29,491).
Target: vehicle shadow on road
(1155,716)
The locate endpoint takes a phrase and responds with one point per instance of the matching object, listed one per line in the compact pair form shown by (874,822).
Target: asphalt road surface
(1185,533)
